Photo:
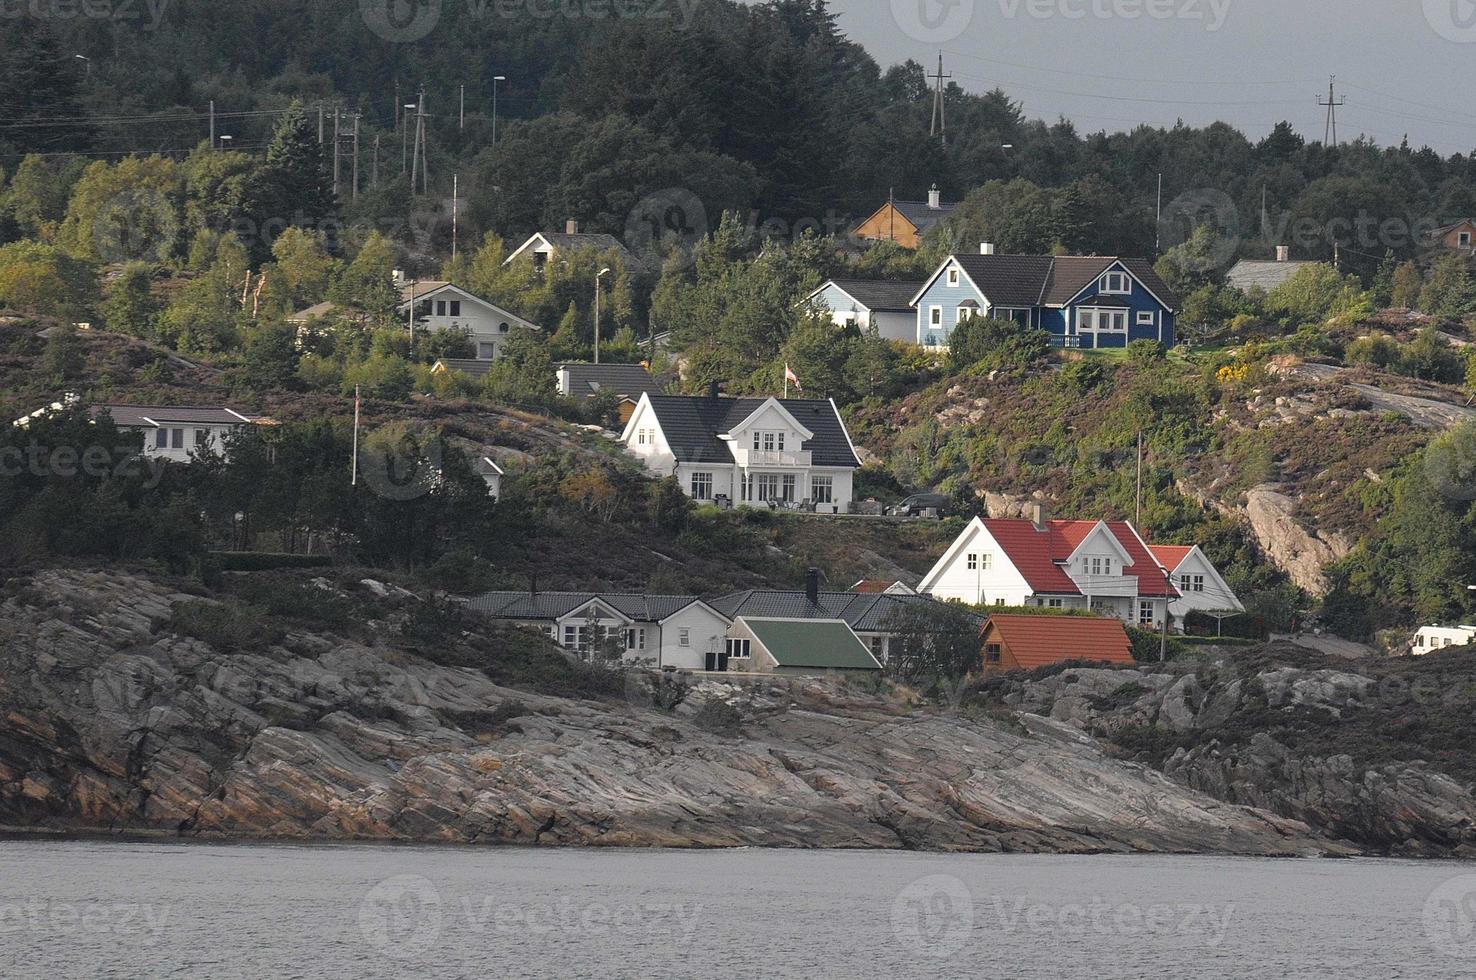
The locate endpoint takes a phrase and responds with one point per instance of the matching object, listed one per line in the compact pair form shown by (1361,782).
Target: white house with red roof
(1201,587)
(1101,565)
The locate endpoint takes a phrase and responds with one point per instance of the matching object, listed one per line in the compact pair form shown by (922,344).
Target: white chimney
(1283,253)
(571,227)
(986,248)
(934,201)
(398,276)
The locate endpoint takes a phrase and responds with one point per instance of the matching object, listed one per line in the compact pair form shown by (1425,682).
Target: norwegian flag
(792,379)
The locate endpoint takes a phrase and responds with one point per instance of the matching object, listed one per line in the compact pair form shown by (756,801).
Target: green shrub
(225,626)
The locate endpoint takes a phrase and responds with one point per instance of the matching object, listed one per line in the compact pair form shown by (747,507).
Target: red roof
(1036,552)
(1036,641)
(1170,556)
(871,586)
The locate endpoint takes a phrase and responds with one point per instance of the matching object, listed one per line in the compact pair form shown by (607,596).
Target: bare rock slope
(113,721)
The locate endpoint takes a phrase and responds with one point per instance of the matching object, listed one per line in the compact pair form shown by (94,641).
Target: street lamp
(495,80)
(598,276)
(86,61)
(224,140)
(404,150)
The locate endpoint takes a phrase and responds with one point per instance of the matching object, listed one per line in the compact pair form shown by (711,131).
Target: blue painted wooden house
(1081,301)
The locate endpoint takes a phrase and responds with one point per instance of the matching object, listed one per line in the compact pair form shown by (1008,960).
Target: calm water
(88,909)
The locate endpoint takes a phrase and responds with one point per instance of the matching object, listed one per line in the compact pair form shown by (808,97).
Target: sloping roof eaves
(554,605)
(147,415)
(880,296)
(1036,641)
(691,426)
(921,215)
(822,644)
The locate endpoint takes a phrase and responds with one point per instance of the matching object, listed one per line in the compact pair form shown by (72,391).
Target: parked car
(921,505)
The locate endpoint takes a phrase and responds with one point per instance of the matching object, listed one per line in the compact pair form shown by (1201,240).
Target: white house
(542,246)
(1432,638)
(662,631)
(491,475)
(444,306)
(169,431)
(1100,565)
(748,452)
(1201,587)
(863,304)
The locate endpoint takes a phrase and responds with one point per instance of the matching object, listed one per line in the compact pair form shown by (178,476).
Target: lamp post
(598,276)
(495,80)
(225,140)
(85,61)
(404,147)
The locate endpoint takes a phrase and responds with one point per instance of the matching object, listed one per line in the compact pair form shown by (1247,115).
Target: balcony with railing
(778,458)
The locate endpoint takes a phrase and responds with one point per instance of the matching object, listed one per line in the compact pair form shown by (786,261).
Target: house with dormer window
(1104,566)
(786,453)
(1081,301)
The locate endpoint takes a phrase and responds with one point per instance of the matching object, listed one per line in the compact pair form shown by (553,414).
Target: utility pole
(1330,132)
(455,190)
(404,128)
(212,125)
(374,169)
(419,168)
(335,152)
(938,127)
(320,124)
(1158,222)
(461,111)
(495,80)
(1265,218)
(356,156)
(1138,509)
(1163,640)
(598,276)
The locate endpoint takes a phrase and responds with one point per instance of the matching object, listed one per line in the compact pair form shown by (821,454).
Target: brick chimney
(571,227)
(935,201)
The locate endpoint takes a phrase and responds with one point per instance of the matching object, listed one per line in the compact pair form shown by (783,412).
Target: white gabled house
(1201,587)
(173,432)
(662,631)
(863,304)
(747,452)
(1101,565)
(444,306)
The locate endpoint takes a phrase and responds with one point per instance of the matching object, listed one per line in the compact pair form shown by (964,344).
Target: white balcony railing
(795,458)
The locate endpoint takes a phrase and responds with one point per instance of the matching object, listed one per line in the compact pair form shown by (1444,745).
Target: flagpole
(354,481)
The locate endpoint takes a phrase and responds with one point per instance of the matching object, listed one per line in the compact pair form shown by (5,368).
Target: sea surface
(82,908)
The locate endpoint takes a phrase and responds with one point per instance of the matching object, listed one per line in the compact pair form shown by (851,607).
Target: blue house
(1081,301)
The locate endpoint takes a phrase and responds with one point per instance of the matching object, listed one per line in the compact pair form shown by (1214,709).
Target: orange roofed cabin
(1027,642)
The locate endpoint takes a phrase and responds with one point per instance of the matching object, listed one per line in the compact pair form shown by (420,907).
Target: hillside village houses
(541,247)
(435,305)
(1201,588)
(905,222)
(172,432)
(1081,301)
(1100,565)
(728,633)
(866,304)
(747,452)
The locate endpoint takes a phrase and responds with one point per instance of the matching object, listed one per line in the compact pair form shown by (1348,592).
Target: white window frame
(935,316)
(953,276)
(1147,318)
(684,636)
(1101,319)
(1145,606)
(973,561)
(964,312)
(822,489)
(1115,283)
(1055,603)
(700,481)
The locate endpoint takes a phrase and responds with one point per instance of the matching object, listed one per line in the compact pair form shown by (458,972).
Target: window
(741,649)
(999,602)
(1106,566)
(635,639)
(1096,566)
(779,441)
(702,486)
(1420,640)
(1146,318)
(767,486)
(684,636)
(455,307)
(822,489)
(161,438)
(935,316)
(640,437)
(953,276)
(986,561)
(440,307)
(1091,318)
(177,435)
(486,352)
(992,653)
(879,648)
(202,438)
(573,637)
(502,328)
(1115,282)
(1197,585)
(758,438)
(1055,603)
(964,312)
(787,491)
(973,561)
(1465,239)
(1145,613)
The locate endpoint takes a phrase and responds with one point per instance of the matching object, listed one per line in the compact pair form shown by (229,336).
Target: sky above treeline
(1112,64)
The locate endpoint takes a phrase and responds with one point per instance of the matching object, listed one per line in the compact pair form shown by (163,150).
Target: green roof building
(797,646)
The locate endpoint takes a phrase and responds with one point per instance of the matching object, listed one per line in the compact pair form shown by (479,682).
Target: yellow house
(904,222)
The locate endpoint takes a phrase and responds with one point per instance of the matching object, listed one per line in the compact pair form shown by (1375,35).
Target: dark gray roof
(863,612)
(552,605)
(1033,280)
(922,216)
(150,415)
(880,296)
(623,379)
(1248,273)
(562,239)
(469,366)
(692,425)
